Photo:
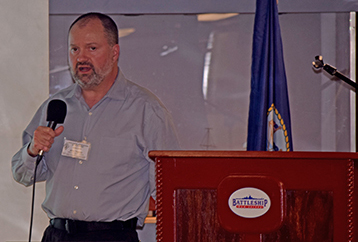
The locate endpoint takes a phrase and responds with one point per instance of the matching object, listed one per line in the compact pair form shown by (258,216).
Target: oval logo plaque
(249,202)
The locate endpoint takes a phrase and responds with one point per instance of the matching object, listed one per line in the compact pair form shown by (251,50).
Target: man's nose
(82,56)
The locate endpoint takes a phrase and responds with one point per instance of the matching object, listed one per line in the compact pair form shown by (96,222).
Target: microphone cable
(39,158)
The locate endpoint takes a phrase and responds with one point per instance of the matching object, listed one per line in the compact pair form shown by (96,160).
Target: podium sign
(250,204)
(255,196)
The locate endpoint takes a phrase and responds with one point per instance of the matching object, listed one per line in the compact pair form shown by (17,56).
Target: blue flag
(269,125)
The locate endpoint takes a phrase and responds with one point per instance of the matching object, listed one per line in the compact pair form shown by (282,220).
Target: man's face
(91,58)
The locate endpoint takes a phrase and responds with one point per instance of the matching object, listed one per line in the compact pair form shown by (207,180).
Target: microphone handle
(52,125)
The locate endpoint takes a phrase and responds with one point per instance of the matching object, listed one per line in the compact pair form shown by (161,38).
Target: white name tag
(77,150)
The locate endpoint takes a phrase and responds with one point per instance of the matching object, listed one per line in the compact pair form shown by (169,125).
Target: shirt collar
(118,88)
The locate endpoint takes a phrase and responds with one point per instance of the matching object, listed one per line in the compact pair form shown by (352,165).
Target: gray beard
(87,81)
(93,80)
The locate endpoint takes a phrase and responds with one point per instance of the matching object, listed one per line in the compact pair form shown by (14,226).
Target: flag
(269,126)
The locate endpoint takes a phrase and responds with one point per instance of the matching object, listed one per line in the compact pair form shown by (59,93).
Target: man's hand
(43,139)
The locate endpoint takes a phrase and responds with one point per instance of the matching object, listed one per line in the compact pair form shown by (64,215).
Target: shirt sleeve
(160,134)
(22,164)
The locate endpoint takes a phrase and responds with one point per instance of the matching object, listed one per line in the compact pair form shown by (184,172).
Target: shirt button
(90,113)
(81,162)
(76,187)
(74,211)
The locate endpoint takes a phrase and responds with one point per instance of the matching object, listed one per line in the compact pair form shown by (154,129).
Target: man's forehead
(87,27)
(92,24)
(84,22)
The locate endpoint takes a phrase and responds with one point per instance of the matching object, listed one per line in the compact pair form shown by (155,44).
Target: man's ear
(116,51)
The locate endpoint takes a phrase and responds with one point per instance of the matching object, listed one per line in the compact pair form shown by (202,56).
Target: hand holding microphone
(43,140)
(44,136)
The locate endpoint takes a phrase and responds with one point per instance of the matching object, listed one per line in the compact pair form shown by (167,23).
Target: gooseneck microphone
(56,113)
(318,64)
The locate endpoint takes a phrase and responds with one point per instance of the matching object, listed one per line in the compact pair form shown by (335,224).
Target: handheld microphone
(56,113)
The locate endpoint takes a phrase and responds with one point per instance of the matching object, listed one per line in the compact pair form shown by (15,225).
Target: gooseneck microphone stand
(318,64)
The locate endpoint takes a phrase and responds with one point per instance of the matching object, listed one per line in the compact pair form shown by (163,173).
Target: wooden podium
(255,196)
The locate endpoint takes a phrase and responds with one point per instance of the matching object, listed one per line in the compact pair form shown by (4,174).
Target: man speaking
(98,175)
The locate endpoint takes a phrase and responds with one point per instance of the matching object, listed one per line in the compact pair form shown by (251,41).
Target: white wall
(24,85)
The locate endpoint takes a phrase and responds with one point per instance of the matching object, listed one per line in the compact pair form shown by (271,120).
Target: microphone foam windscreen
(56,111)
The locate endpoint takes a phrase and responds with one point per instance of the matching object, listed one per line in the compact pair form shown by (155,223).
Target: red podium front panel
(255,196)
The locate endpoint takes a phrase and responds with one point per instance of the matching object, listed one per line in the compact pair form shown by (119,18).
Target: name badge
(75,149)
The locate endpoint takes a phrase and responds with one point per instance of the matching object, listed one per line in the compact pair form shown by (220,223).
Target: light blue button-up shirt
(117,179)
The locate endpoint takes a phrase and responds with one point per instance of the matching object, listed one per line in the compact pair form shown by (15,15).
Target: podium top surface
(251,154)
